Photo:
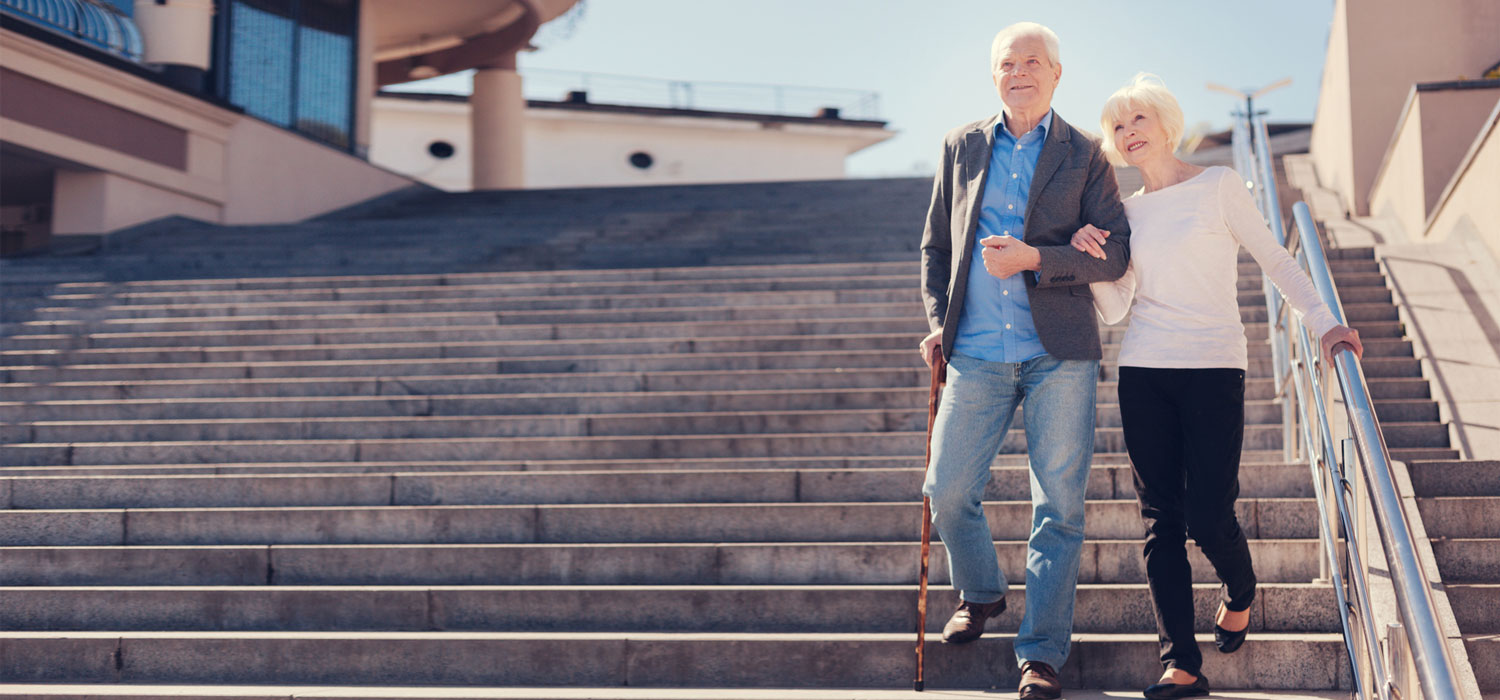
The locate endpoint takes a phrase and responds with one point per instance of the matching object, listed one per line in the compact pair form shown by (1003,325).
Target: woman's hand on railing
(1344,335)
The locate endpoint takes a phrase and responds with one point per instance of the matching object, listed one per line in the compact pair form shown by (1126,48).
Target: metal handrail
(1309,430)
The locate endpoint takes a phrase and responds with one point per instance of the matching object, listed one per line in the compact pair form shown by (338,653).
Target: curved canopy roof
(93,23)
(447,36)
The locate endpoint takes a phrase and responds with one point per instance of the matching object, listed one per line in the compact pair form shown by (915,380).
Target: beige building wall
(1377,49)
(273,176)
(1332,146)
(578,148)
(1435,133)
(1472,205)
(236,169)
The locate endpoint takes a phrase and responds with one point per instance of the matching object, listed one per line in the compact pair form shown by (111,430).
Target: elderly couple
(1026,240)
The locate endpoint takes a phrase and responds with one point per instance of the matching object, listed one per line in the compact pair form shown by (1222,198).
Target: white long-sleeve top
(1184,271)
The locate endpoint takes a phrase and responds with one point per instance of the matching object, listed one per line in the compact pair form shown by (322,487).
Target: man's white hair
(1144,92)
(1009,35)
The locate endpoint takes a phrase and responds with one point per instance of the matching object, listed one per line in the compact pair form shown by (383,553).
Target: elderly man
(1009,306)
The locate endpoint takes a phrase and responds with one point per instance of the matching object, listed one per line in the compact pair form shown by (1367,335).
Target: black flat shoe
(1227,641)
(1166,691)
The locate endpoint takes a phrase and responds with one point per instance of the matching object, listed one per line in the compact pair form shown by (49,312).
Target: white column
(497,114)
(179,32)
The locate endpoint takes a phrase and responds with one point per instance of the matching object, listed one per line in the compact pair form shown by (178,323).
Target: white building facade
(577,143)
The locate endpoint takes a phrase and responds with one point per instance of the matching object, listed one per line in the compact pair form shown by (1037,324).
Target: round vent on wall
(440,149)
(641,159)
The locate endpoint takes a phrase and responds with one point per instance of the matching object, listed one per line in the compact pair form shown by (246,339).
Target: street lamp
(1248,95)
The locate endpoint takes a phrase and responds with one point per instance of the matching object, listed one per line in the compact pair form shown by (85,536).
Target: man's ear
(1057,74)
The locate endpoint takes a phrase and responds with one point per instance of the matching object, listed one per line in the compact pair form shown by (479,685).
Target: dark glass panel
(260,58)
(325,70)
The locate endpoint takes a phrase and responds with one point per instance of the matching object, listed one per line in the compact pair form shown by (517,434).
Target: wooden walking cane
(939,377)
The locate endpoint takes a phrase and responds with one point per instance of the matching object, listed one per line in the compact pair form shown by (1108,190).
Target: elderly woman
(1182,365)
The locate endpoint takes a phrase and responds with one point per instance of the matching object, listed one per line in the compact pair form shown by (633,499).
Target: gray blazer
(1073,185)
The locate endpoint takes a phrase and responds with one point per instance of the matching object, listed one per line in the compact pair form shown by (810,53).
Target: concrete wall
(275,176)
(1377,49)
(1472,206)
(1332,147)
(1436,132)
(569,148)
(1399,192)
(235,169)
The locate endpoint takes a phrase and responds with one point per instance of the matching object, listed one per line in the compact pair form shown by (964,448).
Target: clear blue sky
(930,60)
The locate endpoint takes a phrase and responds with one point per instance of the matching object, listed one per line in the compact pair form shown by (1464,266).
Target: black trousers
(1183,430)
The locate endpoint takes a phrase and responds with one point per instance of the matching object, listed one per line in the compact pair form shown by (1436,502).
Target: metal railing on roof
(754,98)
(95,23)
(1309,425)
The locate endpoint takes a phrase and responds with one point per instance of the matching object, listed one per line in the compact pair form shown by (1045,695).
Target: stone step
(1468,560)
(588,288)
(827,360)
(811,484)
(440,302)
(1258,365)
(723,563)
(909,308)
(1484,658)
(395,427)
(482,384)
(1263,434)
(912,325)
(1374,347)
(447,441)
(1258,411)
(1476,606)
(1460,516)
(1100,608)
(1456,478)
(639,275)
(578,285)
(80,691)
(555,524)
(356,323)
(1428,439)
(717,463)
(636,659)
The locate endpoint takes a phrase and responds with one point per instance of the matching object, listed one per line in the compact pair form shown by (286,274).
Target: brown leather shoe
(968,621)
(1039,682)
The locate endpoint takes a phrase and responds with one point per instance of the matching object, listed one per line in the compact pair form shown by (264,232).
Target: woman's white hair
(1009,35)
(1145,92)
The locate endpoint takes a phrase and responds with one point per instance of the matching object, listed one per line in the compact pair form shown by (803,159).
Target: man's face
(1025,76)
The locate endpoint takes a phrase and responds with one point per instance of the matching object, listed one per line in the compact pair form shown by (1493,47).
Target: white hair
(1144,92)
(1019,30)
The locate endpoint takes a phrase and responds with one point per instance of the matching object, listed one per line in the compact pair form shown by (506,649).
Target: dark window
(291,62)
(440,149)
(641,159)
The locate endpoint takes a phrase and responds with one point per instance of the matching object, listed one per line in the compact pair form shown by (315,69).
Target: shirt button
(1007,233)
(1018,146)
(1005,292)
(1007,326)
(1014,176)
(1010,206)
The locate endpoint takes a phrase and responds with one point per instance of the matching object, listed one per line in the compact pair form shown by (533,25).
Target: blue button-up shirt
(996,324)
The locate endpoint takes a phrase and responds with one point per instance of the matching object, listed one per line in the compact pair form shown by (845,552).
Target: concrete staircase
(700,476)
(1459,500)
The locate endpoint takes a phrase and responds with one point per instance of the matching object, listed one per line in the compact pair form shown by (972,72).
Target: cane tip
(917,686)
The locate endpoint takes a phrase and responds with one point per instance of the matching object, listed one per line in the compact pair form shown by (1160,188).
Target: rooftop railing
(754,98)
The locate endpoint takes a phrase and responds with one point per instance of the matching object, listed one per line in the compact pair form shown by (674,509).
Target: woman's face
(1139,136)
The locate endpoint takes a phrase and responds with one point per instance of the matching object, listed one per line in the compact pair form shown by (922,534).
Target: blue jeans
(975,413)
